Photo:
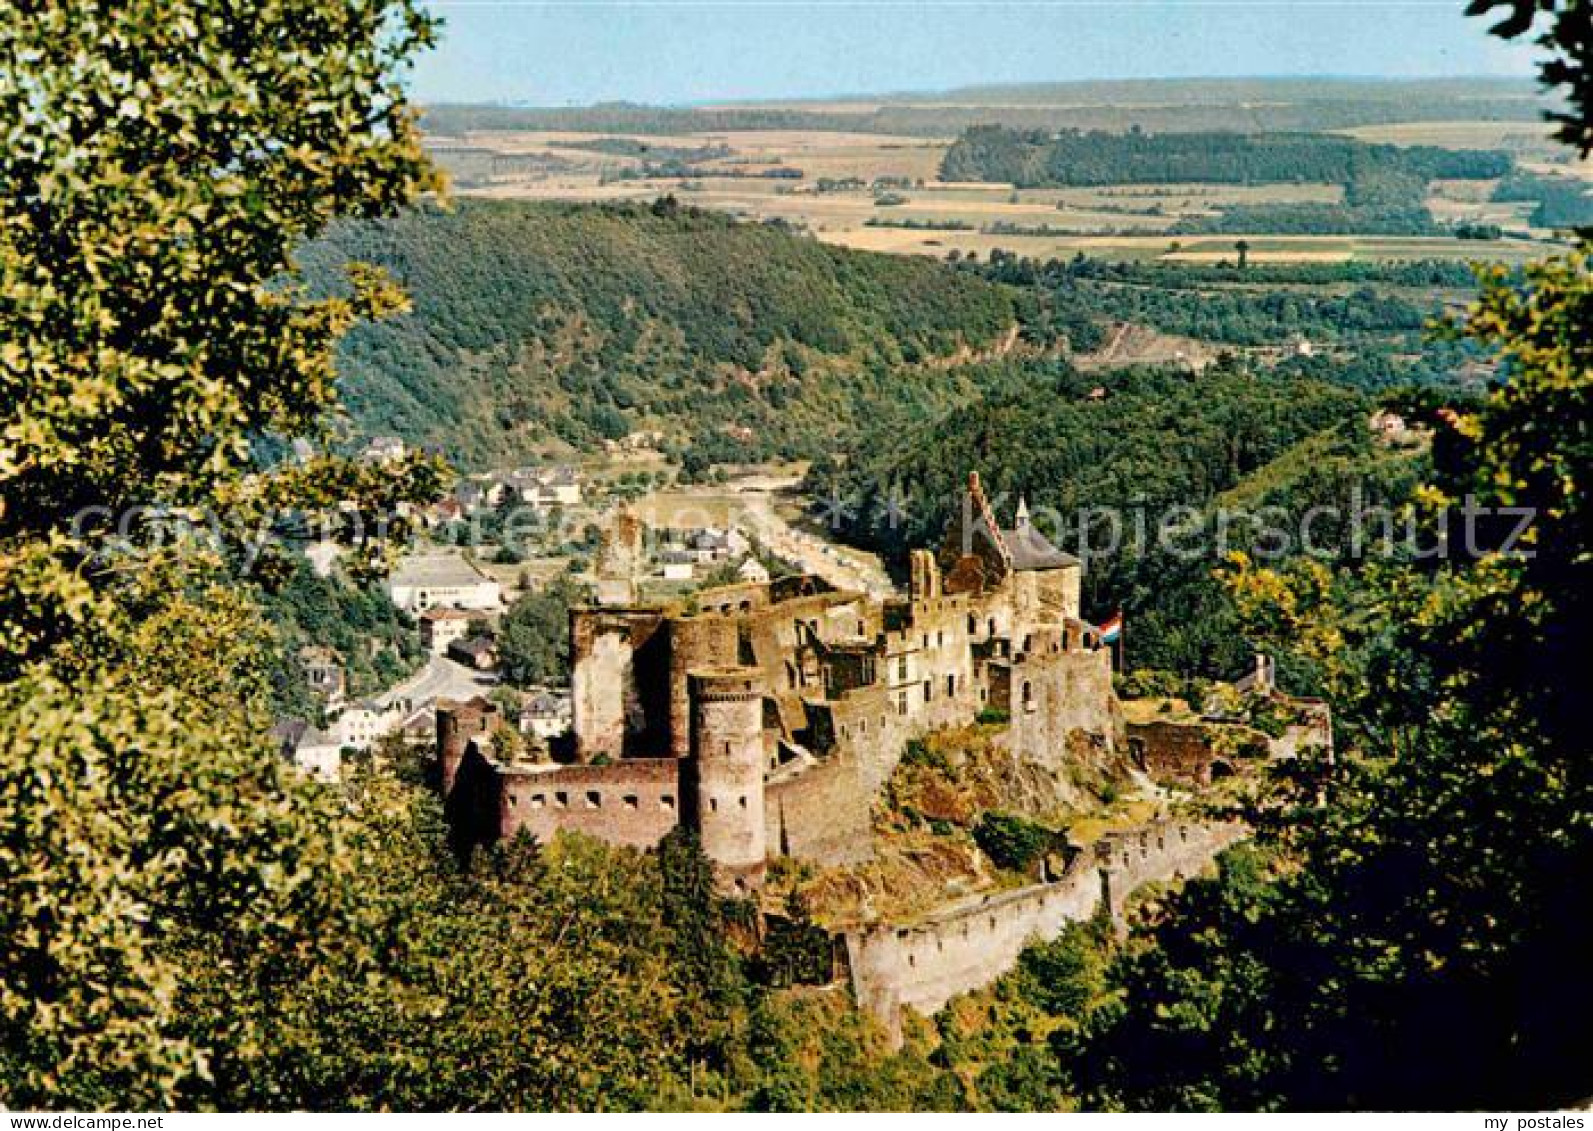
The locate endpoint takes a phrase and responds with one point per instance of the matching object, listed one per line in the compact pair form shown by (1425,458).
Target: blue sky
(676,51)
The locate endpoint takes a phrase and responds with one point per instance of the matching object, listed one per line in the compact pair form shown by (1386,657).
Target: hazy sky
(664,51)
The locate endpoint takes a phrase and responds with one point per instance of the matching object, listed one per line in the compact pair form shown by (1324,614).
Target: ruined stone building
(768,714)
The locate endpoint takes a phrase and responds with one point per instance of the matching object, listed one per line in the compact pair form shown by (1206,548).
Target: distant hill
(1159,105)
(557,325)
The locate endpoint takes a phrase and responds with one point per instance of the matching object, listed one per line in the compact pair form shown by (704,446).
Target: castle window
(927,695)
(667,803)
(511,799)
(713,804)
(630,801)
(973,624)
(594,799)
(742,801)
(901,669)
(538,800)
(1028,696)
(992,626)
(940,639)
(951,685)
(912,959)
(561,799)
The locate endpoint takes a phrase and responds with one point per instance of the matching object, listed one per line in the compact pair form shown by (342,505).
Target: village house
(315,752)
(441,628)
(477,652)
(323,672)
(753,571)
(383,449)
(430,581)
(546,713)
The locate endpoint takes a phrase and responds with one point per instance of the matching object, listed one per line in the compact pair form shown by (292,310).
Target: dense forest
(1103,458)
(570,324)
(1384,185)
(1031,159)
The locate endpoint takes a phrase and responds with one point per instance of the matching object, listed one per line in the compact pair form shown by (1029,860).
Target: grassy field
(835,198)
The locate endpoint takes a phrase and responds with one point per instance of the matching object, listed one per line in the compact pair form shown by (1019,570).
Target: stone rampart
(970,944)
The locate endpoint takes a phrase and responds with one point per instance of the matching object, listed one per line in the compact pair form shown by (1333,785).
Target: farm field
(880,192)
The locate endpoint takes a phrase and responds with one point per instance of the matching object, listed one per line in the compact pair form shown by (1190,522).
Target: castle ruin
(768,714)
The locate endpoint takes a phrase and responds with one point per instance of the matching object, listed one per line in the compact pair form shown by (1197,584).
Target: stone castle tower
(457,724)
(728,760)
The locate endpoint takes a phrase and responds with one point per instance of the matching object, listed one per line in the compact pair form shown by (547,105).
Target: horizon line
(1021,84)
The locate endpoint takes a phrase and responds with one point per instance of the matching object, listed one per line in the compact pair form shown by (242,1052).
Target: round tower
(700,642)
(727,764)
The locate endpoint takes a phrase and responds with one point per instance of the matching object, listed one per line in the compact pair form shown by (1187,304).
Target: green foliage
(568,323)
(162,161)
(1011,841)
(534,635)
(1559,202)
(1384,185)
(376,643)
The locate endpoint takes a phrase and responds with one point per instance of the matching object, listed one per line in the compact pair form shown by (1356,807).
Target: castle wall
(924,966)
(633,802)
(819,814)
(1054,692)
(1159,852)
(618,677)
(703,641)
(726,769)
(1173,752)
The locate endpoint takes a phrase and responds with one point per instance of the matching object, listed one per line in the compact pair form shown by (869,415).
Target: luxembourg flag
(1112,628)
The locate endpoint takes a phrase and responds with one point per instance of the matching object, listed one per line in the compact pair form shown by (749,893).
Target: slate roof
(1029,549)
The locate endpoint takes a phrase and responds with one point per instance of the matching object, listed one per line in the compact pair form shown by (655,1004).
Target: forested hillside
(1384,185)
(567,325)
(1098,456)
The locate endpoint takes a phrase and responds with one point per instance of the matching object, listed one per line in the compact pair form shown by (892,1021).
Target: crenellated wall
(1158,852)
(633,802)
(964,947)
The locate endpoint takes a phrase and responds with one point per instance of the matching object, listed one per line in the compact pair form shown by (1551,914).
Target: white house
(359,725)
(439,628)
(431,581)
(752,570)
